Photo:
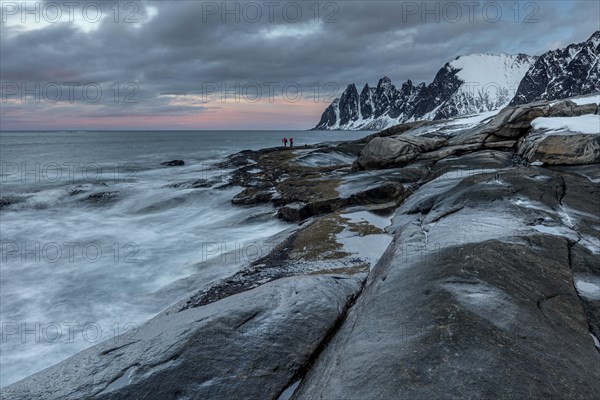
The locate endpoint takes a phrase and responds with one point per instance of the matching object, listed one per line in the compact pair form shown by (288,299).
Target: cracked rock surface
(487,284)
(475,296)
(247,346)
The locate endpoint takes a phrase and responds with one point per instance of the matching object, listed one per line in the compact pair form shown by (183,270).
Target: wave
(114,252)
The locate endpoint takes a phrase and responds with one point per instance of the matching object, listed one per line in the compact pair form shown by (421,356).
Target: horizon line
(159,130)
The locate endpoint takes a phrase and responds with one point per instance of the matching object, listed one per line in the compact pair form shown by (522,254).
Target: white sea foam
(160,237)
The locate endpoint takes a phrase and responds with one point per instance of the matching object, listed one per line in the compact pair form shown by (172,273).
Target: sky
(170,65)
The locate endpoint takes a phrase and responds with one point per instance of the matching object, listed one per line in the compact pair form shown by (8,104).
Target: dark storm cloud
(180,47)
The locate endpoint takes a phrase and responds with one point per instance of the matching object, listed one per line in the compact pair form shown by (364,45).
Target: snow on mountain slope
(468,85)
(487,82)
(562,73)
(471,84)
(502,70)
(490,80)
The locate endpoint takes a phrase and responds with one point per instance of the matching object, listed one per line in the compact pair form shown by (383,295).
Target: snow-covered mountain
(469,84)
(374,106)
(488,82)
(562,73)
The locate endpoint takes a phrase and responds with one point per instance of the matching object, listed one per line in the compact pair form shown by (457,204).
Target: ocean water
(99,237)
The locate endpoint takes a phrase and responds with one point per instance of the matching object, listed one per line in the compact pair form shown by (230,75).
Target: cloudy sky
(244,65)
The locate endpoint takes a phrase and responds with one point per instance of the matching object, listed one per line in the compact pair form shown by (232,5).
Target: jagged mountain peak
(486,54)
(384,83)
(562,73)
(594,40)
(407,87)
(457,89)
(470,84)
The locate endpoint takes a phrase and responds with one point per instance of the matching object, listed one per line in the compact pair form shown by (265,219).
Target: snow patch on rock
(588,124)
(587,285)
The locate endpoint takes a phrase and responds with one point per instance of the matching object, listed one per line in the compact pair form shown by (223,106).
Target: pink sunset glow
(300,115)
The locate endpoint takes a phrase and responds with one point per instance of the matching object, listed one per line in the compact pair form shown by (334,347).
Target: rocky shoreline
(440,259)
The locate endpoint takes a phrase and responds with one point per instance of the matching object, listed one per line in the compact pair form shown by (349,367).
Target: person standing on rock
(291,142)
(284,140)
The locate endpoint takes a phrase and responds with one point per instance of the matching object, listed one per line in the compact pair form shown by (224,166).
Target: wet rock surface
(568,148)
(396,150)
(252,195)
(84,188)
(194,184)
(6,201)
(173,163)
(248,346)
(486,311)
(101,197)
(378,192)
(313,249)
(485,283)
(302,185)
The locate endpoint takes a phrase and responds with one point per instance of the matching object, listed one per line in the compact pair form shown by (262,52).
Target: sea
(97,236)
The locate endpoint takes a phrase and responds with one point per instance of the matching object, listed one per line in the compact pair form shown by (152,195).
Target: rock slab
(247,346)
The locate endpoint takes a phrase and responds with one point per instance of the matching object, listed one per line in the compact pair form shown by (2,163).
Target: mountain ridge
(469,84)
(562,73)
